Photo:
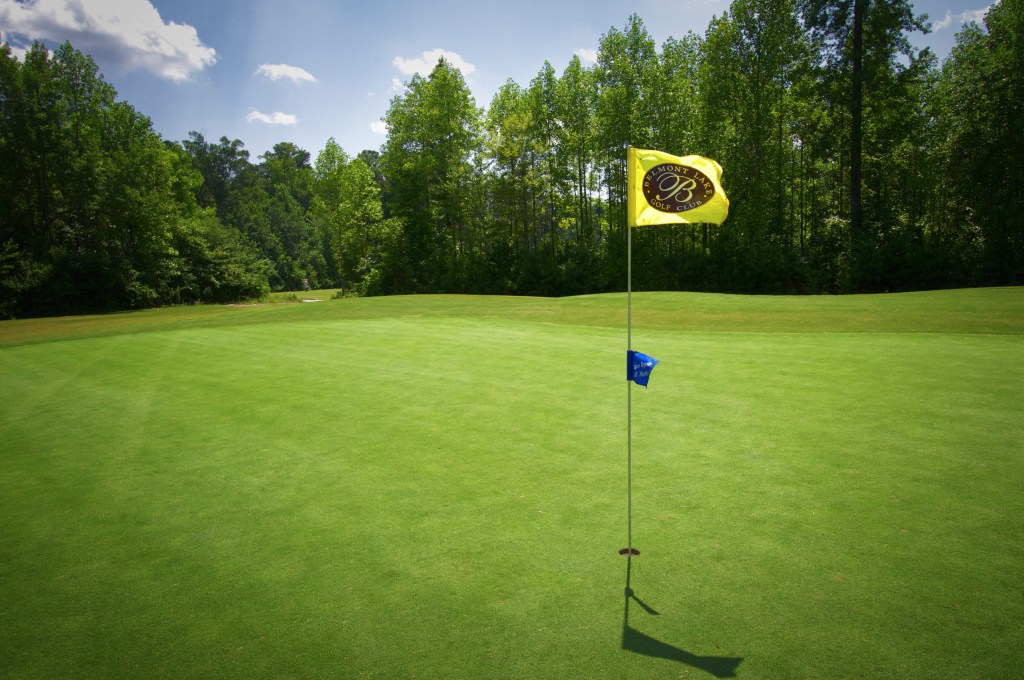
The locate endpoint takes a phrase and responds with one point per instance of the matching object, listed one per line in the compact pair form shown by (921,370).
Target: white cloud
(426,62)
(965,17)
(379,127)
(275,118)
(945,22)
(278,71)
(129,34)
(586,56)
(976,15)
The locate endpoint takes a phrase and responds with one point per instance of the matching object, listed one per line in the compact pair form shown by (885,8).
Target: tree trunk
(856,127)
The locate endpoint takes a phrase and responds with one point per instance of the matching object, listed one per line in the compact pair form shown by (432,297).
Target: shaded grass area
(435,487)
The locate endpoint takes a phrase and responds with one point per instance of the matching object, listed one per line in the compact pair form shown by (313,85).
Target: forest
(853,163)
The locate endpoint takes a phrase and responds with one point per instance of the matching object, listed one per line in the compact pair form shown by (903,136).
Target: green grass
(434,486)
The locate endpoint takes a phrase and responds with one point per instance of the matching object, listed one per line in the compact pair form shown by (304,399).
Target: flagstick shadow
(638,643)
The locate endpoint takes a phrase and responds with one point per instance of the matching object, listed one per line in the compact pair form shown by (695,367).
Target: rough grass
(435,487)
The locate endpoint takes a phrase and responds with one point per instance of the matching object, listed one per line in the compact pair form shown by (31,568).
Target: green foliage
(19,274)
(980,125)
(216,265)
(348,209)
(847,170)
(98,211)
(433,134)
(221,165)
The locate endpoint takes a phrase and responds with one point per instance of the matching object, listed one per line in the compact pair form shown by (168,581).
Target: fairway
(435,487)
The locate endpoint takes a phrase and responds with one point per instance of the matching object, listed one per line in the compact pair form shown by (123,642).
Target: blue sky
(266,71)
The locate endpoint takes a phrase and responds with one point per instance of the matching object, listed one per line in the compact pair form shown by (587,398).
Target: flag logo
(666,189)
(672,188)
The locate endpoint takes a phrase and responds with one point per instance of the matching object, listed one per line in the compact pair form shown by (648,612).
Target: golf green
(435,486)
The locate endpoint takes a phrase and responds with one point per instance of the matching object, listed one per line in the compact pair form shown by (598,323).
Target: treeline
(853,163)
(96,211)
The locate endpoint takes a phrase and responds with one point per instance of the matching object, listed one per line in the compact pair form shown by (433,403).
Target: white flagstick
(629,392)
(629,551)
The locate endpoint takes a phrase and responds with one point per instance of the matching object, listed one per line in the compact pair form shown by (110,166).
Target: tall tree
(221,165)
(979,115)
(863,49)
(362,238)
(575,98)
(509,148)
(625,75)
(427,162)
(857,124)
(754,54)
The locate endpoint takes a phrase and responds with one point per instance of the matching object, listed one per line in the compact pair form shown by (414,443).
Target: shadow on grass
(638,643)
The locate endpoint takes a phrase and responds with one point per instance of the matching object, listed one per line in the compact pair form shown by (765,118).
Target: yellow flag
(666,189)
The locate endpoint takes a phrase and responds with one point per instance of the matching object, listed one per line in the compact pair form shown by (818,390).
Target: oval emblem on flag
(673,188)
